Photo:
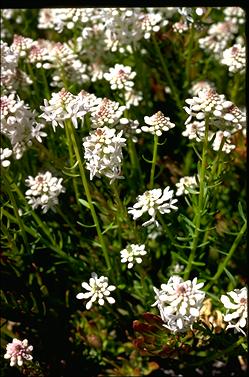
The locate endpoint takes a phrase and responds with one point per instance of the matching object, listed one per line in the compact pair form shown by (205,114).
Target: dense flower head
(8,66)
(186,183)
(106,112)
(219,139)
(38,54)
(103,153)
(150,22)
(195,130)
(219,35)
(120,77)
(4,156)
(235,58)
(130,128)
(21,45)
(132,254)
(180,27)
(132,98)
(224,114)
(62,106)
(43,191)
(18,351)
(98,289)
(200,85)
(158,123)
(179,303)
(18,124)
(236,304)
(153,201)
(236,15)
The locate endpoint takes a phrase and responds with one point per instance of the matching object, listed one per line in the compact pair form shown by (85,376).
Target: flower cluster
(158,123)
(219,35)
(98,290)
(120,77)
(222,113)
(235,58)
(8,66)
(185,184)
(236,304)
(62,106)
(18,124)
(43,191)
(4,156)
(179,303)
(18,351)
(103,153)
(236,15)
(153,201)
(132,253)
(106,112)
(130,128)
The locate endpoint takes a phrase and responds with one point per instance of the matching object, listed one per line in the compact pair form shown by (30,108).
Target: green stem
(190,50)
(45,81)
(166,228)
(166,72)
(13,201)
(33,214)
(71,158)
(88,195)
(134,159)
(153,166)
(199,210)
(224,263)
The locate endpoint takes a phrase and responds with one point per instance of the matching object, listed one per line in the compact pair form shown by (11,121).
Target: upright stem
(199,210)
(166,72)
(88,195)
(188,63)
(152,172)
(224,263)
(70,149)
(13,201)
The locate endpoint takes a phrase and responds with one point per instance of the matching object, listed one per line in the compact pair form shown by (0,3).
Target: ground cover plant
(123,149)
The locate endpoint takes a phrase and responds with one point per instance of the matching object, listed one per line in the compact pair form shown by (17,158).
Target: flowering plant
(123,146)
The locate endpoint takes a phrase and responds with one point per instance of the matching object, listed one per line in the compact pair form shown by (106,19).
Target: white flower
(219,35)
(132,253)
(18,124)
(221,113)
(180,27)
(103,153)
(130,127)
(185,183)
(63,105)
(158,123)
(179,302)
(4,156)
(18,351)
(236,304)
(98,290)
(9,61)
(153,201)
(150,22)
(227,146)
(106,112)
(43,191)
(235,58)
(132,98)
(236,15)
(195,130)
(21,45)
(120,77)
(200,85)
